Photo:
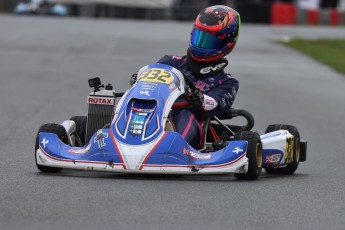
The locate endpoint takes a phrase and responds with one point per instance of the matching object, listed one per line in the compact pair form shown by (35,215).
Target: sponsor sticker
(172,86)
(199,156)
(137,126)
(44,142)
(210,69)
(148,86)
(100,138)
(142,111)
(136,131)
(79,150)
(145,92)
(137,123)
(274,158)
(237,150)
(100,100)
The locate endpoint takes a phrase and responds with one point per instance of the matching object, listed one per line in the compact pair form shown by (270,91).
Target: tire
(254,155)
(80,122)
(292,167)
(60,131)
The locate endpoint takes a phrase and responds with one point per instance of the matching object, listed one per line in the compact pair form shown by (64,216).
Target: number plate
(157,75)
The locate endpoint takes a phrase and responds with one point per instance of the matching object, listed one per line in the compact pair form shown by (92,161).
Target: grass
(328,51)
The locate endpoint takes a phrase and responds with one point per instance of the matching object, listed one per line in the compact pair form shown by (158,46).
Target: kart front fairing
(137,140)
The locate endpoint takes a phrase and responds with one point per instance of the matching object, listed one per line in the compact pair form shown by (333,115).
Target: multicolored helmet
(215,33)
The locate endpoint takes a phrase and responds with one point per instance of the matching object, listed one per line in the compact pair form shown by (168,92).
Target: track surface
(44,67)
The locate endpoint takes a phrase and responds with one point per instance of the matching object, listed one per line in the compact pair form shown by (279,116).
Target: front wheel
(292,167)
(254,155)
(60,131)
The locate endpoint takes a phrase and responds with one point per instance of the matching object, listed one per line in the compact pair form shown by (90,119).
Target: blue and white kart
(138,137)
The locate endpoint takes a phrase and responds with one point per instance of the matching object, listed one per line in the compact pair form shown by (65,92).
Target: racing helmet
(215,33)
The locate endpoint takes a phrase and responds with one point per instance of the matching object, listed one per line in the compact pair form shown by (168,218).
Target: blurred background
(252,11)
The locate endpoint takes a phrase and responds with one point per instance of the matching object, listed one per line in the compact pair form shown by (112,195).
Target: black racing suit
(211,79)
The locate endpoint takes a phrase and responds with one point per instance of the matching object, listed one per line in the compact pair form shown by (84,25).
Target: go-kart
(134,134)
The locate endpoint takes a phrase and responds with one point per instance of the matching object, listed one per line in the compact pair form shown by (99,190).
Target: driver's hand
(133,79)
(196,99)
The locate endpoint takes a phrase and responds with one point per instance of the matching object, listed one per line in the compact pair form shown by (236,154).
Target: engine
(101,103)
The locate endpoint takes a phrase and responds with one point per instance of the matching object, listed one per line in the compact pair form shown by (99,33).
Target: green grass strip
(328,51)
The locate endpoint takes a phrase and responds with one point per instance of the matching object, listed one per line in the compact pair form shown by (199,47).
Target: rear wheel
(292,167)
(60,131)
(254,155)
(80,122)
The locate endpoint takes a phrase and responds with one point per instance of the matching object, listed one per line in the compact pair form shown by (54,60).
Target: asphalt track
(44,67)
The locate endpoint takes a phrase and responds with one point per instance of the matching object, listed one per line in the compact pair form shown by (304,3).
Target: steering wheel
(185,104)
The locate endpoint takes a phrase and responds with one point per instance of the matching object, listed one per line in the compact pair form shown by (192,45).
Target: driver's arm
(224,94)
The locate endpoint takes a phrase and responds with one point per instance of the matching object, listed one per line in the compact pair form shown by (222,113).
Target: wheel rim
(259,155)
(298,148)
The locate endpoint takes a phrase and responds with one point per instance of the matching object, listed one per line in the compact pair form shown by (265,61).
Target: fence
(289,14)
(276,12)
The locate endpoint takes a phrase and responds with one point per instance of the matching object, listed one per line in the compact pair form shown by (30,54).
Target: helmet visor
(206,40)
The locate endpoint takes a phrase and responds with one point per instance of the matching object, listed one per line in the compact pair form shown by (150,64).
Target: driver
(214,35)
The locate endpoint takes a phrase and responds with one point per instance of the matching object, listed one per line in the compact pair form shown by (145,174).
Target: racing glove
(133,79)
(196,99)
(202,101)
